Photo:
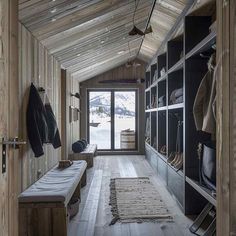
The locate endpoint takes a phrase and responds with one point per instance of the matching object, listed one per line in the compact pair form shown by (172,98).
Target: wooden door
(9,116)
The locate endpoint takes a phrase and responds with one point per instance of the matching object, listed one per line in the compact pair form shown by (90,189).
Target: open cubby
(153,102)
(175,51)
(148,128)
(196,29)
(186,64)
(175,121)
(153,71)
(175,87)
(148,79)
(162,94)
(161,131)
(147,95)
(161,60)
(154,129)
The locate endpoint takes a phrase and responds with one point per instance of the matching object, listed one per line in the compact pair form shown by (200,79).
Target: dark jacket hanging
(41,123)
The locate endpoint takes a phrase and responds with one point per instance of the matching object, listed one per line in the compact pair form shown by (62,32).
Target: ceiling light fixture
(54,19)
(135,30)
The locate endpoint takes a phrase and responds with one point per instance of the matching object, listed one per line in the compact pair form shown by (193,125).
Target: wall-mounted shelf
(204,45)
(206,193)
(178,66)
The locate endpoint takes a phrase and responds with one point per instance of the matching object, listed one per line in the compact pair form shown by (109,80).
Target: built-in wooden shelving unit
(180,66)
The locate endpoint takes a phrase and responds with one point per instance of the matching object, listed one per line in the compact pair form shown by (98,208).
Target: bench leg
(43,221)
(59,221)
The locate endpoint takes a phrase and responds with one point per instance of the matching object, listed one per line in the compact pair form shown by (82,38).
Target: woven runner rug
(136,200)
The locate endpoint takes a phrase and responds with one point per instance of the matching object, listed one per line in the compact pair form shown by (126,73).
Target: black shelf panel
(204,45)
(206,193)
(178,66)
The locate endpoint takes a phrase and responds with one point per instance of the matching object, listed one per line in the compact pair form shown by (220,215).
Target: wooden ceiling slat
(104,56)
(97,30)
(85,58)
(116,46)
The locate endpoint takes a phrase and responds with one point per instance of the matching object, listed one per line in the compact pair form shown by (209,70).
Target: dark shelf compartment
(203,46)
(206,193)
(153,71)
(148,79)
(175,81)
(153,102)
(178,66)
(148,127)
(161,61)
(161,136)
(161,93)
(196,29)
(154,130)
(175,49)
(147,99)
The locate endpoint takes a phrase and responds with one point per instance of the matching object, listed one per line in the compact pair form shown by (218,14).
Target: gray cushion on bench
(57,185)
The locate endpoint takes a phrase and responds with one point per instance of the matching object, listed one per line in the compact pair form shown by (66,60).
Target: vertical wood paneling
(73,128)
(37,66)
(226,125)
(4,57)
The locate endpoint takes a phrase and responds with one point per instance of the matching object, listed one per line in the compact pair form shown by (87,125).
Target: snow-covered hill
(100,103)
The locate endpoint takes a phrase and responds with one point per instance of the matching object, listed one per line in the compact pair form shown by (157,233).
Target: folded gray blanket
(175,95)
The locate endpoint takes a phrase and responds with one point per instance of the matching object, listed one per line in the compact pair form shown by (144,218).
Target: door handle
(14,143)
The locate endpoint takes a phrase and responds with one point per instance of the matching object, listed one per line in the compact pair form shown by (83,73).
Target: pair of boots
(176,160)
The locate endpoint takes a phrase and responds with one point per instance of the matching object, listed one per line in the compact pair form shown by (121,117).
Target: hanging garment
(41,123)
(203,109)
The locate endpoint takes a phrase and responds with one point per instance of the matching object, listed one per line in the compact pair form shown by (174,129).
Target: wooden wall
(70,128)
(37,66)
(121,72)
(226,113)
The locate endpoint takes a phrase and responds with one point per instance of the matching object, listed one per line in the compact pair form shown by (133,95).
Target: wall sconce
(75,95)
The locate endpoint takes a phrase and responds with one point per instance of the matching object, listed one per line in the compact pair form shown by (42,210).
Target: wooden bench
(43,206)
(87,155)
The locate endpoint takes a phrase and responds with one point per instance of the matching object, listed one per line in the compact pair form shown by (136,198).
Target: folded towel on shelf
(179,100)
(175,95)
(162,101)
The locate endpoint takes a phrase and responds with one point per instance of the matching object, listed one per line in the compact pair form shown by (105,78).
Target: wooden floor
(94,215)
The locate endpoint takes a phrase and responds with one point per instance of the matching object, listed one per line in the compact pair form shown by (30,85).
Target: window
(112,119)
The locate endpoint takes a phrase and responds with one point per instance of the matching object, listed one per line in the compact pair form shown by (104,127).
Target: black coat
(41,123)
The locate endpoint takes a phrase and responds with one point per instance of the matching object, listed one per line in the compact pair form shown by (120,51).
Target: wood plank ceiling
(91,37)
